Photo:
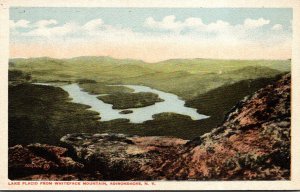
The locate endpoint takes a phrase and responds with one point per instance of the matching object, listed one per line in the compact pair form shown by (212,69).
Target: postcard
(150,95)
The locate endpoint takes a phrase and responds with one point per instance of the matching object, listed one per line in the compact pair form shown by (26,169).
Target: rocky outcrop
(118,156)
(253,143)
(39,159)
(98,157)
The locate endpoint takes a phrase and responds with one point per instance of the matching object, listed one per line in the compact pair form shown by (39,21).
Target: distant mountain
(104,59)
(111,60)
(186,78)
(82,60)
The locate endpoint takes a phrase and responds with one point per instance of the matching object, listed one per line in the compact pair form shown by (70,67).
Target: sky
(151,34)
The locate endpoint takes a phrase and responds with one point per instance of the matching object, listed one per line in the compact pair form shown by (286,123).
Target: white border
(186,185)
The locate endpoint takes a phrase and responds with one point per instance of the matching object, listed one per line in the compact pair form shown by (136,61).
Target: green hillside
(217,102)
(184,77)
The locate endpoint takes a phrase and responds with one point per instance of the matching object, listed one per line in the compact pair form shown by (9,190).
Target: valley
(39,113)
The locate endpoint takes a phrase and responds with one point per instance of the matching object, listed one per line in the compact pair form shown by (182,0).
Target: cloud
(195,24)
(255,23)
(18,24)
(190,26)
(56,31)
(277,27)
(93,25)
(52,29)
(45,23)
(166,39)
(168,23)
(218,26)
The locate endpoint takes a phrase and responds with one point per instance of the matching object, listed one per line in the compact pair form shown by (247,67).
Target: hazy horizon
(144,60)
(152,34)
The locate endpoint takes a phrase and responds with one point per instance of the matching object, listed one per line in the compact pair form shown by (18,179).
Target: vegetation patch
(102,88)
(126,112)
(218,102)
(18,76)
(43,114)
(130,100)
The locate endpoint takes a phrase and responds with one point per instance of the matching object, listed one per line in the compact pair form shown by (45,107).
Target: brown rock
(118,156)
(39,158)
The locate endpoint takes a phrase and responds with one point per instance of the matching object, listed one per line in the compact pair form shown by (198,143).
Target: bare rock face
(38,159)
(118,156)
(75,176)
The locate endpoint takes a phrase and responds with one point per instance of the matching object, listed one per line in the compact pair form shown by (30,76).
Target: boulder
(39,158)
(119,156)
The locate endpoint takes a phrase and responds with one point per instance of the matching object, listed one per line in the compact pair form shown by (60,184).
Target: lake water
(171,103)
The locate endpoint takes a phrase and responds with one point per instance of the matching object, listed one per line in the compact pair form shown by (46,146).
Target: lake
(171,103)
